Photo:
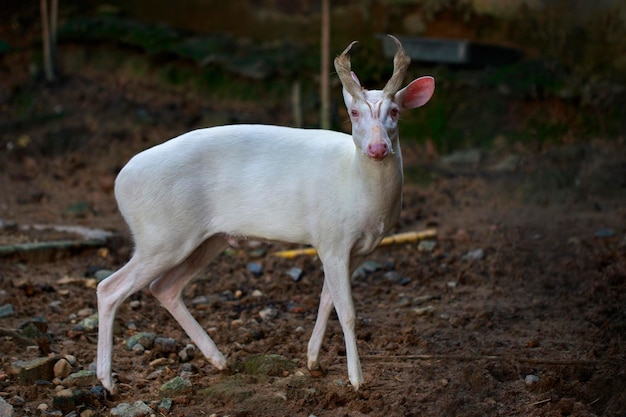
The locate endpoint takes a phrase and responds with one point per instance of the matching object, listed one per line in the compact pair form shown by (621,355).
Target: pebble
(28,372)
(295,273)
(82,378)
(6,310)
(365,269)
(68,399)
(175,387)
(474,255)
(102,274)
(145,339)
(257,293)
(6,409)
(187,353)
(604,232)
(268,313)
(87,324)
(138,409)
(531,379)
(426,245)
(255,268)
(62,368)
(165,405)
(165,345)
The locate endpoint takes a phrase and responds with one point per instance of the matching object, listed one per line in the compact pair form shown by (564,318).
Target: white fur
(185,198)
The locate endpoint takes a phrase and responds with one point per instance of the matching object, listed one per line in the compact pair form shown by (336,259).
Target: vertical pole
(325,67)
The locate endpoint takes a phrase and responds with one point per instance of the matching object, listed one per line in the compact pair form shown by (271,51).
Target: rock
(604,232)
(62,368)
(138,409)
(81,378)
(165,345)
(27,372)
(393,276)
(68,399)
(531,379)
(175,387)
(426,245)
(268,313)
(295,273)
(187,353)
(101,274)
(422,311)
(145,339)
(165,406)
(255,268)
(6,310)
(6,409)
(366,268)
(474,255)
(87,324)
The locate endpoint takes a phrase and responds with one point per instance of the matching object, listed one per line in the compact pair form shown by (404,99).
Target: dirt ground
(519,309)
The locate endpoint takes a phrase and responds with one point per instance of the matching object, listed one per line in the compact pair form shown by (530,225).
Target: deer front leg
(337,285)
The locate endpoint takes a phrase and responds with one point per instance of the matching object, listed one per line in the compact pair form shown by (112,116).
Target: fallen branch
(400,238)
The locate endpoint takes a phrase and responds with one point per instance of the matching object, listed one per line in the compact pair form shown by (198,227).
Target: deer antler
(401,63)
(343,68)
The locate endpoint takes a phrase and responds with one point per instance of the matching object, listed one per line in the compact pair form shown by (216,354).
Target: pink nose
(377,151)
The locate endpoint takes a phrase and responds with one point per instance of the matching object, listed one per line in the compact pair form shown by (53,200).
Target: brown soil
(456,337)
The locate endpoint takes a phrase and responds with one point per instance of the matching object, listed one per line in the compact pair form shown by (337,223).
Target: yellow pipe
(408,237)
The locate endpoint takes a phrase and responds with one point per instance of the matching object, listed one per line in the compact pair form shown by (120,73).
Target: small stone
(426,245)
(82,378)
(85,312)
(68,399)
(257,293)
(268,313)
(87,324)
(187,353)
(6,409)
(255,268)
(102,274)
(145,339)
(165,405)
(531,379)
(28,372)
(6,310)
(135,304)
(175,387)
(138,409)
(393,276)
(165,345)
(62,368)
(138,349)
(422,311)
(89,413)
(604,232)
(474,255)
(295,273)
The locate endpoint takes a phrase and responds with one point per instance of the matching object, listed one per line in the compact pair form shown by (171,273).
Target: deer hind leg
(112,292)
(168,290)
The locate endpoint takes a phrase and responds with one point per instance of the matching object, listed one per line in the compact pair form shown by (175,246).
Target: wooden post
(325,67)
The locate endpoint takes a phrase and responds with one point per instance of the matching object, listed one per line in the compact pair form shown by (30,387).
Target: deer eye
(354,113)
(394,112)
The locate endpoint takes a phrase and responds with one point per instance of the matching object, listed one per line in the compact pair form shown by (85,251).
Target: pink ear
(417,93)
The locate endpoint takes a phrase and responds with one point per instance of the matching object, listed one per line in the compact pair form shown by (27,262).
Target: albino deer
(186,199)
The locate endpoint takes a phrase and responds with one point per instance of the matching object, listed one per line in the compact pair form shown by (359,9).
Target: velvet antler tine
(401,63)
(344,71)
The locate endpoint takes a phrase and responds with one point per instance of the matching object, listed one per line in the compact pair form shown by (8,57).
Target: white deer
(186,199)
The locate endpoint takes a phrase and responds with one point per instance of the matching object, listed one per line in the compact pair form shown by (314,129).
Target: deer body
(185,200)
